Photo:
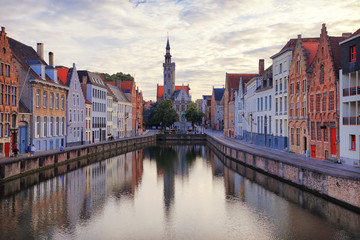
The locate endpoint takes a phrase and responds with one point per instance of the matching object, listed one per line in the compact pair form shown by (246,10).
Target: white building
(349,88)
(281,69)
(96,93)
(249,115)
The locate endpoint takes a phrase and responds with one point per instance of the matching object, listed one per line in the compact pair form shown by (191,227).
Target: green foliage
(193,115)
(119,75)
(165,114)
(149,117)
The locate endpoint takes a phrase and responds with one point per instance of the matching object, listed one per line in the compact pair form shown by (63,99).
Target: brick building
(231,86)
(323,137)
(301,69)
(42,95)
(8,98)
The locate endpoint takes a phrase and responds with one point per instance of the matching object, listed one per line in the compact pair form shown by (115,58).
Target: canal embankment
(72,157)
(335,182)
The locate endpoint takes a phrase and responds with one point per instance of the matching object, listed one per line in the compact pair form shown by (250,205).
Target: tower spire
(168,55)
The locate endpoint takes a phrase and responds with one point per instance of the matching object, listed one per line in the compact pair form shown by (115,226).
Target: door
(51,144)
(22,139)
(313,151)
(305,144)
(7,150)
(333,140)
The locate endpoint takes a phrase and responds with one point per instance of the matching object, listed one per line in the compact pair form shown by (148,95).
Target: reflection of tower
(169,188)
(169,73)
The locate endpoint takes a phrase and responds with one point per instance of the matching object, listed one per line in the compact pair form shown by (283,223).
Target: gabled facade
(88,132)
(350,100)
(217,108)
(301,69)
(96,92)
(323,137)
(75,102)
(249,109)
(8,98)
(281,68)
(231,86)
(128,87)
(181,100)
(43,95)
(206,101)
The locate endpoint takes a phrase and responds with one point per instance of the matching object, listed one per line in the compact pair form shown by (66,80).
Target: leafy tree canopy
(165,114)
(193,115)
(119,75)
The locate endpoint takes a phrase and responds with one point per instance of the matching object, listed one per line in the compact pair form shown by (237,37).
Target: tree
(165,114)
(193,115)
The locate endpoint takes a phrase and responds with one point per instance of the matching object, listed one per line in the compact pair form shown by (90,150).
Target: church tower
(169,73)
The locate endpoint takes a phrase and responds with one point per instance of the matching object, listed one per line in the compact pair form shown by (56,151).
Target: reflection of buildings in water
(234,184)
(217,166)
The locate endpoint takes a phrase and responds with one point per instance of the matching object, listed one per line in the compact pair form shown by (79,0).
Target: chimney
(261,66)
(346,35)
(3,29)
(51,59)
(40,50)
(299,36)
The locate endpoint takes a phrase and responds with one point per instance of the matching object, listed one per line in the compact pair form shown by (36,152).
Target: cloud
(208,38)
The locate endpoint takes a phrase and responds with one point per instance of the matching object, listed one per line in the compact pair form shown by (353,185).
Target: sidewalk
(325,166)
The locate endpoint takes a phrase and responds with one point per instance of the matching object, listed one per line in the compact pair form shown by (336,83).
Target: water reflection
(168,192)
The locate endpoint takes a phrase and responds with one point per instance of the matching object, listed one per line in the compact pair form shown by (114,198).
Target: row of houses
(306,102)
(51,106)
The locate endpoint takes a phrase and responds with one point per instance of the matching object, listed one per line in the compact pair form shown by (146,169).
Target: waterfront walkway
(324,166)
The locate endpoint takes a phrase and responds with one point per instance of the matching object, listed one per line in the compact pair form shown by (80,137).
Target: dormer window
(353,53)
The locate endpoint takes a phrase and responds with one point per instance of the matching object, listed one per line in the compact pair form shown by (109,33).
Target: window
(311,103)
(57,101)
(352,142)
(331,100)
(265,102)
(7,95)
(312,130)
(280,69)
(318,127)
(276,106)
(63,127)
(78,99)
(297,87)
(62,102)
(281,127)
(276,126)
(37,98)
(269,102)
(280,103)
(45,126)
(353,53)
(326,138)
(298,64)
(13,96)
(291,88)
(297,108)
(280,85)
(1,69)
(322,73)
(285,84)
(303,109)
(45,100)
(324,101)
(74,99)
(70,116)
(298,136)
(51,100)
(291,109)
(37,127)
(1,93)
(1,129)
(276,86)
(7,70)
(285,105)
(304,85)
(57,127)
(292,136)
(318,99)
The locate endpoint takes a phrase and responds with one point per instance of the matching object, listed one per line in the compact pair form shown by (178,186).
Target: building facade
(96,93)
(301,69)
(281,68)
(323,114)
(8,98)
(217,108)
(350,100)
(43,95)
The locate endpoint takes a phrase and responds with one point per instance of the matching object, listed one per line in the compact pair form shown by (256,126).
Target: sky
(208,38)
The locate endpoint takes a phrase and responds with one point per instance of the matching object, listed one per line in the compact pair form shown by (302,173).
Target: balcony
(351,91)
(351,120)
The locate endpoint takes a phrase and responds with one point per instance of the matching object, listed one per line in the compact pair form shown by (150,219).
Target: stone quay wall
(343,190)
(12,168)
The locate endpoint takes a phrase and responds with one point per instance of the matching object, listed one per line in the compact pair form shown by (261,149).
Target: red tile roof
(310,45)
(111,83)
(126,85)
(160,90)
(233,80)
(62,73)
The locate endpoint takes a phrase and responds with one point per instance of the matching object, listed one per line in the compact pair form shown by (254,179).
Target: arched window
(38,98)
(51,100)
(70,116)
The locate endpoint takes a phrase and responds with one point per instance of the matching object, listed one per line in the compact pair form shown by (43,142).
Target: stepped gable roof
(218,92)
(160,90)
(62,73)
(233,80)
(336,51)
(310,45)
(26,56)
(289,46)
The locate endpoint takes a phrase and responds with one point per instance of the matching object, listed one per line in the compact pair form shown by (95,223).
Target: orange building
(301,70)
(323,136)
(8,97)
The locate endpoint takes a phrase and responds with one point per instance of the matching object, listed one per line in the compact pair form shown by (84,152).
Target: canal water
(168,192)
